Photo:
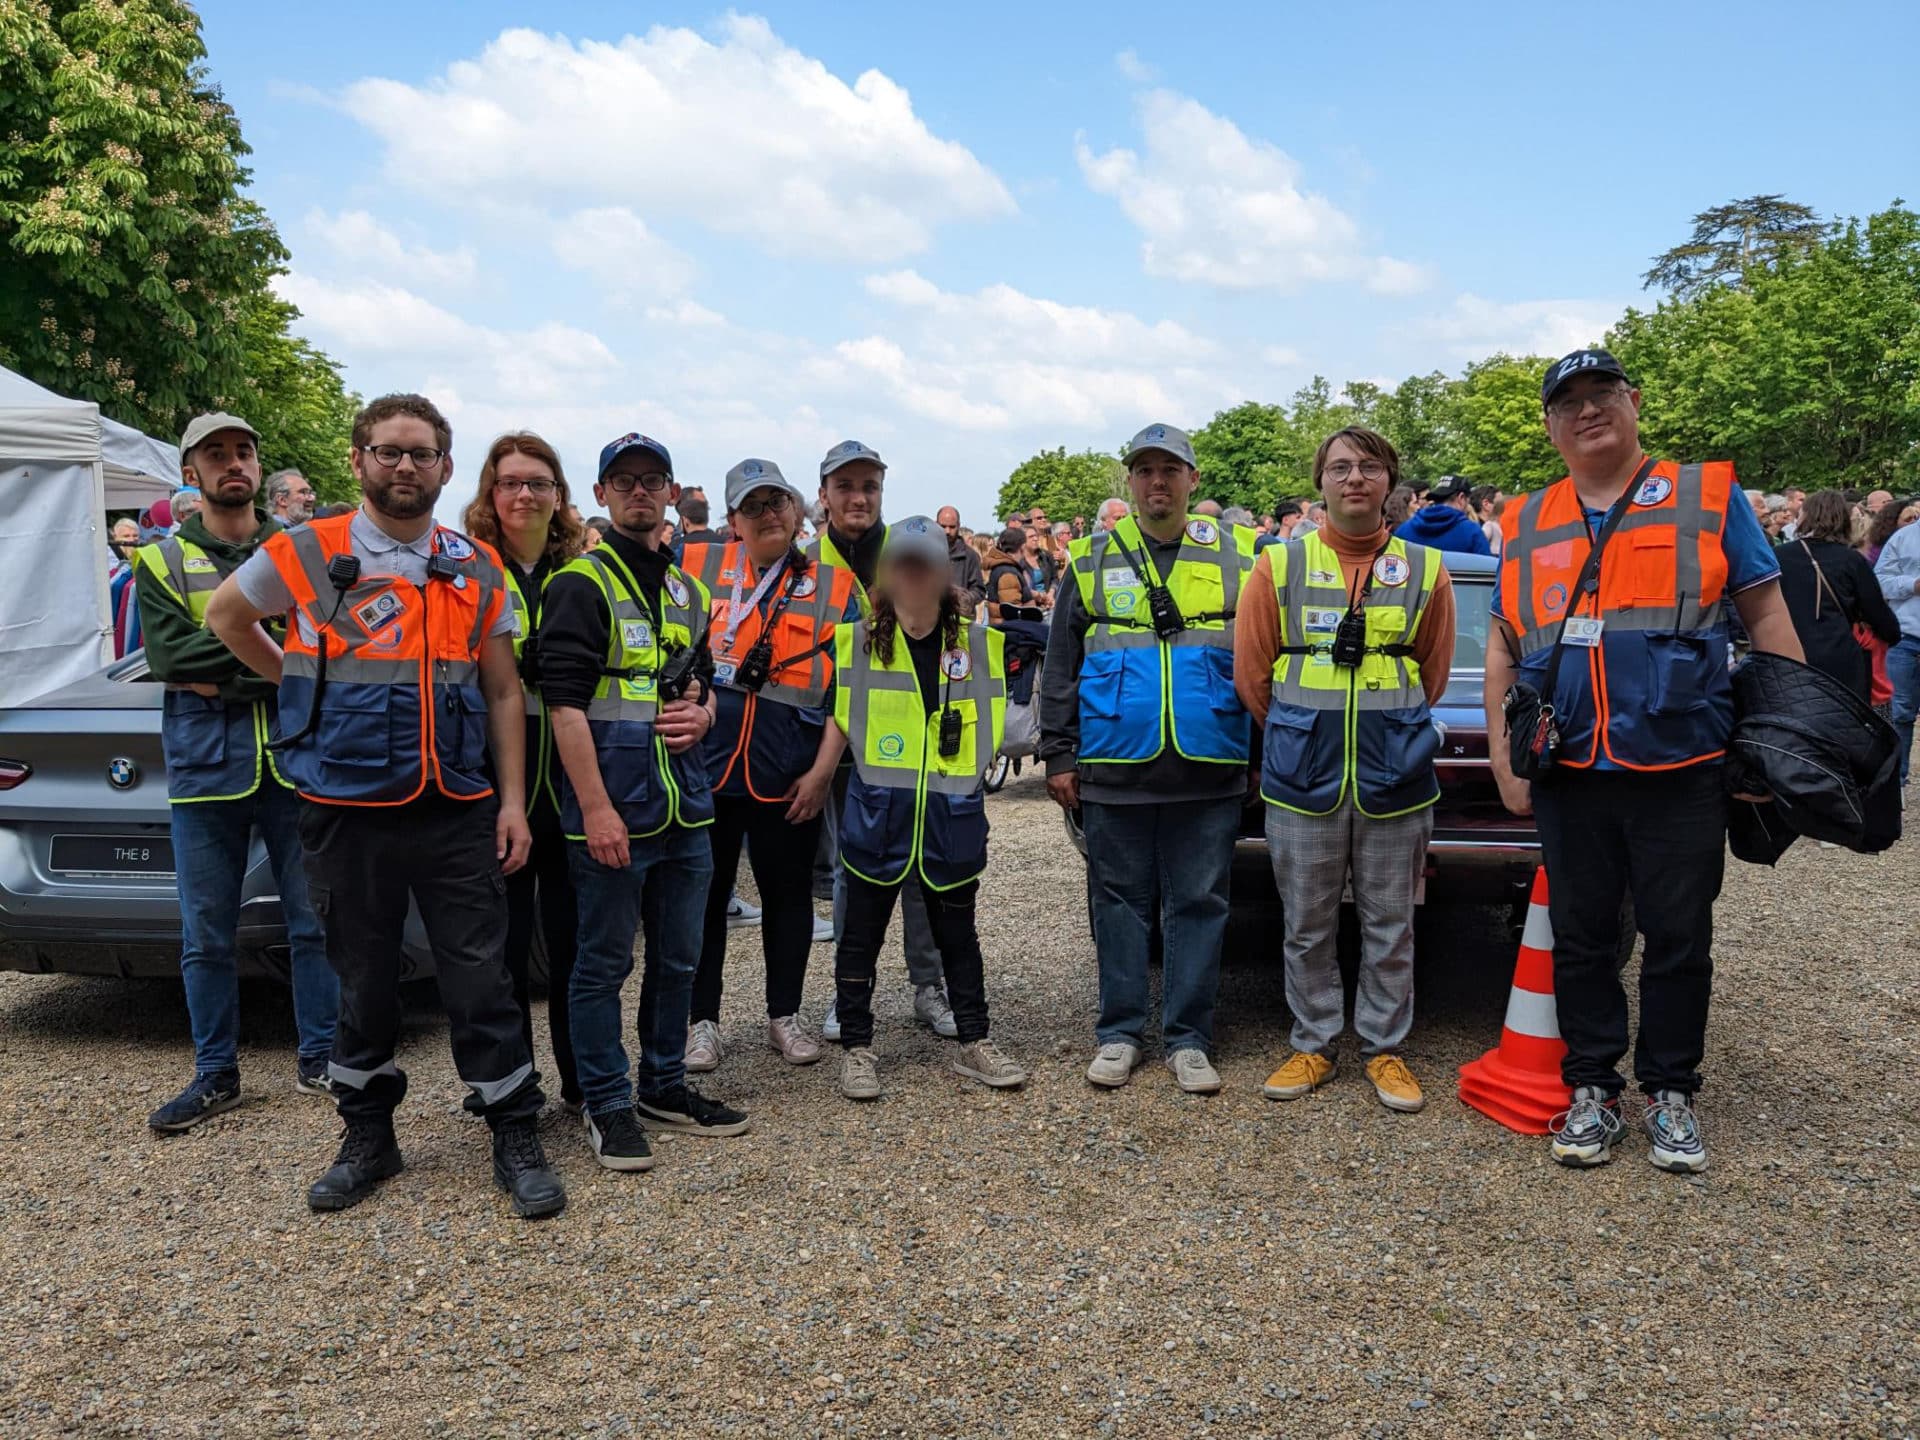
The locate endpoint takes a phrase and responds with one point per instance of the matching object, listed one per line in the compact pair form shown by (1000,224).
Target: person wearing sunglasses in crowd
(774,613)
(523,511)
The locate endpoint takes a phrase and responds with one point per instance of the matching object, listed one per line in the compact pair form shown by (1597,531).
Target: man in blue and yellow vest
(626,674)
(1345,640)
(1636,804)
(1143,736)
(221,779)
(403,728)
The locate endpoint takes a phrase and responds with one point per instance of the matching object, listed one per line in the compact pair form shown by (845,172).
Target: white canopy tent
(62,467)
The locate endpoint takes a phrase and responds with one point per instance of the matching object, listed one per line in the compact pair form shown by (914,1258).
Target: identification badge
(1584,630)
(724,671)
(1319,620)
(636,635)
(382,609)
(1117,577)
(519,623)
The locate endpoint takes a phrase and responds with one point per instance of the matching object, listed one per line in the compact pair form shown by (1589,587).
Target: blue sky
(963,233)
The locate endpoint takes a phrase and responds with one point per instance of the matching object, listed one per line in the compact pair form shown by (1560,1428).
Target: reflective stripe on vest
(1138,693)
(1368,730)
(909,806)
(1654,694)
(823,551)
(526,620)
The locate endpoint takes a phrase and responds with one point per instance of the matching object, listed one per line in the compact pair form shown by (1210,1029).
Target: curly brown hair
(388,406)
(885,621)
(566,536)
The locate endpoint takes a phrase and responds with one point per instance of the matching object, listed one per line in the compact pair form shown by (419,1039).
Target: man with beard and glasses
(222,782)
(403,725)
(290,496)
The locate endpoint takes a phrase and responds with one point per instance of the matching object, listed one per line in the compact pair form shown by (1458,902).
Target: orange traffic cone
(1518,1083)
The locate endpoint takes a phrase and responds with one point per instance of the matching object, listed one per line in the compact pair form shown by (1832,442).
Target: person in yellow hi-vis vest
(920,700)
(1345,640)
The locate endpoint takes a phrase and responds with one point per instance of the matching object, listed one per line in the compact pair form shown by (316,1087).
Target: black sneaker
(310,1077)
(686,1109)
(368,1155)
(1675,1133)
(618,1140)
(206,1097)
(520,1168)
(1584,1133)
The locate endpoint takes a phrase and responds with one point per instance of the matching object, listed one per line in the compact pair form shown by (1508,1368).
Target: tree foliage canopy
(1730,240)
(1061,484)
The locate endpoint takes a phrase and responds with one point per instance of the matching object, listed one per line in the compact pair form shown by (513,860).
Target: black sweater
(1828,638)
(575,623)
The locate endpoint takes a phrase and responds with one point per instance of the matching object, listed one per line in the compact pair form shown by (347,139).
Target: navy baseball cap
(1580,362)
(634,441)
(1449,486)
(845,453)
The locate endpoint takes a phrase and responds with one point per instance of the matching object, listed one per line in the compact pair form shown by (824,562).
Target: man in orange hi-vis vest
(401,728)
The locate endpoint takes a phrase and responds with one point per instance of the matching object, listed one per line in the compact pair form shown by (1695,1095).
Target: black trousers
(363,863)
(950,913)
(1660,838)
(542,891)
(781,858)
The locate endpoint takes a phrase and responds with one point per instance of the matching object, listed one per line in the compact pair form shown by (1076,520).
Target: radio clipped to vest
(342,572)
(950,727)
(682,669)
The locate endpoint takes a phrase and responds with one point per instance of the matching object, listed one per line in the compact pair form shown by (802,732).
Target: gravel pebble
(951,1261)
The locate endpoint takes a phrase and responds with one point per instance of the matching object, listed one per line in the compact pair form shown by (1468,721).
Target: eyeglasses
(1369,470)
(1565,407)
(653,480)
(389,456)
(753,509)
(539,489)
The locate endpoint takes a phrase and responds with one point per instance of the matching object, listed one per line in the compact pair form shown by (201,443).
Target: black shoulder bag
(1533,739)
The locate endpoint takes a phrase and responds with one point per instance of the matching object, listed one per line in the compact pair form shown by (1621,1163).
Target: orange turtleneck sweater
(1256,626)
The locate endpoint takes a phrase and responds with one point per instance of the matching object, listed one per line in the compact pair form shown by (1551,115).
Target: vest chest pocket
(467,721)
(1287,748)
(356,724)
(1653,567)
(195,730)
(1677,666)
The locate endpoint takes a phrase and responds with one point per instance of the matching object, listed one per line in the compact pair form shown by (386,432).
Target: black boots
(368,1155)
(520,1168)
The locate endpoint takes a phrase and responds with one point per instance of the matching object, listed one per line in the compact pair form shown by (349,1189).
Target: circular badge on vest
(1554,600)
(1391,570)
(892,747)
(803,587)
(1121,602)
(455,546)
(1202,532)
(1653,490)
(956,664)
(677,588)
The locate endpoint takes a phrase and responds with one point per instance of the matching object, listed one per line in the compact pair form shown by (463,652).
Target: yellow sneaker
(1301,1075)
(1395,1085)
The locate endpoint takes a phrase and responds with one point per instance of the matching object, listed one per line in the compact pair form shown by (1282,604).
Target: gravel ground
(950,1261)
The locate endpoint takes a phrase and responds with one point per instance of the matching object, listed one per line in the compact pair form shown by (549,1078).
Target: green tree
(1418,417)
(1248,456)
(1499,435)
(1061,484)
(1730,240)
(294,396)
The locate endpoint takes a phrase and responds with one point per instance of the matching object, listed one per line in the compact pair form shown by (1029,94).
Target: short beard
(381,499)
(212,498)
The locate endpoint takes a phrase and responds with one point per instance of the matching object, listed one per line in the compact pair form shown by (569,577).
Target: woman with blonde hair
(524,511)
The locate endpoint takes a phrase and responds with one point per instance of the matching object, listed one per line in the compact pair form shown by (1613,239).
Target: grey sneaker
(787,1035)
(860,1074)
(1193,1072)
(982,1061)
(1584,1133)
(1675,1133)
(703,1047)
(1113,1064)
(822,930)
(930,1008)
(830,1023)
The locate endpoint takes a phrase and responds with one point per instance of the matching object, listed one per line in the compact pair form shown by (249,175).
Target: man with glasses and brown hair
(1630,652)
(402,722)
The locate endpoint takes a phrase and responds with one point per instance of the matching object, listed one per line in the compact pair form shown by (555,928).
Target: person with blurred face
(1635,804)
(1142,736)
(626,674)
(918,700)
(1348,753)
(965,562)
(852,477)
(404,729)
(221,782)
(773,614)
(290,497)
(522,510)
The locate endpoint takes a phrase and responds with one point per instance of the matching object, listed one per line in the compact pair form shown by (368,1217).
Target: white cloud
(1218,207)
(1472,327)
(356,237)
(1130,65)
(688,314)
(743,133)
(614,245)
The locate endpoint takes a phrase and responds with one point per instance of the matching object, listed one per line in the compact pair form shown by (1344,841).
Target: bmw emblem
(122,773)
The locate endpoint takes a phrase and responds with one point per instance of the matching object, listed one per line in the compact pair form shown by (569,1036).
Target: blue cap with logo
(845,453)
(751,475)
(634,440)
(1161,437)
(916,538)
(1580,362)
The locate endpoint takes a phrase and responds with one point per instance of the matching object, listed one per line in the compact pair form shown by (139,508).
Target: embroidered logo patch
(1391,570)
(892,746)
(1653,490)
(956,664)
(803,587)
(1202,532)
(455,546)
(677,588)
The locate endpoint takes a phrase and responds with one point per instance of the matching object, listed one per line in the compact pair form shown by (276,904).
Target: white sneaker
(930,1008)
(1193,1072)
(860,1074)
(740,914)
(822,933)
(830,1025)
(703,1047)
(1113,1064)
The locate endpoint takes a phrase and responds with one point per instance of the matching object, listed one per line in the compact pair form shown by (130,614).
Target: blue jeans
(211,842)
(662,893)
(1179,852)
(1903,671)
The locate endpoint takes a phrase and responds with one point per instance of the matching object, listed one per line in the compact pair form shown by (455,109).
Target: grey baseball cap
(201,426)
(1161,437)
(751,475)
(916,538)
(845,453)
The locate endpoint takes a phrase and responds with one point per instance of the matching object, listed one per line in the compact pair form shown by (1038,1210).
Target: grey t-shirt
(380,554)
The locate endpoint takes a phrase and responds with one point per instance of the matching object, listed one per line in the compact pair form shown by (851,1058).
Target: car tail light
(13,773)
